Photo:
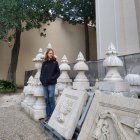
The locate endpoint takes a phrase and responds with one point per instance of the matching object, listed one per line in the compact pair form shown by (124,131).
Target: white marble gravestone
(67,112)
(112,118)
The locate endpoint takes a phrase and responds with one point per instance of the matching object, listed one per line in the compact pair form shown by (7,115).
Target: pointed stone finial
(40,50)
(112,59)
(49,46)
(39,56)
(80,57)
(81,78)
(80,65)
(64,64)
(111,49)
(64,59)
(30,80)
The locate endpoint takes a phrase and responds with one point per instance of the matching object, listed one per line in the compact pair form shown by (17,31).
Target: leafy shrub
(7,87)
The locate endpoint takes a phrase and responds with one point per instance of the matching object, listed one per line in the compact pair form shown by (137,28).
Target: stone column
(38,109)
(64,80)
(116,22)
(81,82)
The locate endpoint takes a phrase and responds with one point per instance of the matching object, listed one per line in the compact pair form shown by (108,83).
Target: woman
(49,73)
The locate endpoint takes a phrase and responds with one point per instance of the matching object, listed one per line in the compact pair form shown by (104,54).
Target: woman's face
(50,54)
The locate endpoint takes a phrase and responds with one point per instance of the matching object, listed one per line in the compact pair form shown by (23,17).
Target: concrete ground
(14,123)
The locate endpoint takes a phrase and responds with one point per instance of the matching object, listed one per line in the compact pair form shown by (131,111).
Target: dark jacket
(49,72)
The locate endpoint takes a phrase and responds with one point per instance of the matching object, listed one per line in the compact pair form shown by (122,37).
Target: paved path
(14,123)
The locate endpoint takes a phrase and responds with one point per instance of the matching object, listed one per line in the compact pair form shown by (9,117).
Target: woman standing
(49,73)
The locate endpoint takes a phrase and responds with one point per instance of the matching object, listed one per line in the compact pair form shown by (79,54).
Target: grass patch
(7,87)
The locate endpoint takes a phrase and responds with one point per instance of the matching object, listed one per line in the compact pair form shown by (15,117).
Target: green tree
(78,12)
(19,16)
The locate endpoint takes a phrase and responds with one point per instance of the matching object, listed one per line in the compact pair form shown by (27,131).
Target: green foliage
(7,87)
(77,11)
(28,13)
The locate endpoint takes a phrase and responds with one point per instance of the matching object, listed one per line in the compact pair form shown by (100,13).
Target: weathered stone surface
(81,82)
(64,80)
(113,83)
(112,118)
(67,112)
(134,82)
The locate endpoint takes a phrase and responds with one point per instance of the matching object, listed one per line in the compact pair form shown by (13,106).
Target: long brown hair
(46,55)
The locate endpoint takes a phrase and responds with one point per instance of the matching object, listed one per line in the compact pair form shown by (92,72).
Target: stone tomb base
(37,114)
(67,112)
(120,88)
(112,118)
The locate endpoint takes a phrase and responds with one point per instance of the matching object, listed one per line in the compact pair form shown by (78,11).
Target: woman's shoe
(46,119)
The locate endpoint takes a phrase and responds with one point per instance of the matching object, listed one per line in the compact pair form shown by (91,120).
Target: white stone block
(67,112)
(81,85)
(112,118)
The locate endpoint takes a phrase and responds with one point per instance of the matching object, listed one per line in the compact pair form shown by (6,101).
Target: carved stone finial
(39,56)
(80,65)
(30,80)
(81,78)
(64,59)
(64,64)
(133,79)
(112,59)
(80,57)
(112,62)
(64,80)
(49,46)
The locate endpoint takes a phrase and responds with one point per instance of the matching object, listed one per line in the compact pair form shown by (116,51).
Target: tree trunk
(11,76)
(87,49)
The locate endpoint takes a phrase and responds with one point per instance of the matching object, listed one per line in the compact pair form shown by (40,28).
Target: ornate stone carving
(65,108)
(120,116)
(102,132)
(68,111)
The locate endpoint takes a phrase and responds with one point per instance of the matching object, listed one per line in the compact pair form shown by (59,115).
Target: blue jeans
(49,94)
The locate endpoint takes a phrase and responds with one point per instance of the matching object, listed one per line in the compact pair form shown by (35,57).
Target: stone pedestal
(81,82)
(67,112)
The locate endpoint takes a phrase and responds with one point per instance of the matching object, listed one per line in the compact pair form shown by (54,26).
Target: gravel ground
(15,124)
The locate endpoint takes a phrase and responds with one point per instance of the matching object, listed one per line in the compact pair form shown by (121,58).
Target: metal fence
(97,71)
